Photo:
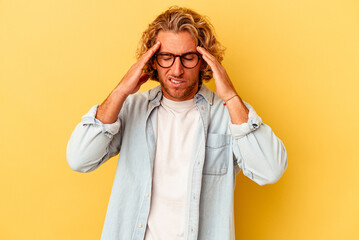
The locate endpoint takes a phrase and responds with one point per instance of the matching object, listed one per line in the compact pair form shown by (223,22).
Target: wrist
(226,100)
(119,94)
(225,95)
(237,111)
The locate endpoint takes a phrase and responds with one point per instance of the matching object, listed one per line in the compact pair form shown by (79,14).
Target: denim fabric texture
(222,150)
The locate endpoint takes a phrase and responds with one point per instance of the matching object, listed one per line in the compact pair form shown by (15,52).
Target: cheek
(161,72)
(195,73)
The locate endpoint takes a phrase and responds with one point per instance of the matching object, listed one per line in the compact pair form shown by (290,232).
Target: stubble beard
(180,96)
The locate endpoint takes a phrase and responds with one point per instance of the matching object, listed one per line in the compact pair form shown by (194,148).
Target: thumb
(143,78)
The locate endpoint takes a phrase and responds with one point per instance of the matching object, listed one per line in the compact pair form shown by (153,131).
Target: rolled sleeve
(108,129)
(93,142)
(259,152)
(241,130)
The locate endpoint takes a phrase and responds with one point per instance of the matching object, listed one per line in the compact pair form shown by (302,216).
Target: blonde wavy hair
(177,19)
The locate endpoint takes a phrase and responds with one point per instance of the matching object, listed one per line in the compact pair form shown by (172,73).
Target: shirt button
(192,229)
(146,195)
(140,225)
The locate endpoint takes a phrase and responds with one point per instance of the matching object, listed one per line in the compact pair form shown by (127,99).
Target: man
(181,145)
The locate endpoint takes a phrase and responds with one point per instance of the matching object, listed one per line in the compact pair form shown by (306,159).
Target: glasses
(188,60)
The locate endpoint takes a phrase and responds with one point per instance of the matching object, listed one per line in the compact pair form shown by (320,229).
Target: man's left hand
(224,86)
(225,89)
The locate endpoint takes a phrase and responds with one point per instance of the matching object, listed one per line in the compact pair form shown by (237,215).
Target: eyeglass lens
(189,60)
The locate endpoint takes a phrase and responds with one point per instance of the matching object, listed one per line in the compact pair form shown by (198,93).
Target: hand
(224,86)
(134,78)
(225,89)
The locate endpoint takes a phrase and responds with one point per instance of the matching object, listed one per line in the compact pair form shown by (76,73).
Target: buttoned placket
(195,177)
(140,230)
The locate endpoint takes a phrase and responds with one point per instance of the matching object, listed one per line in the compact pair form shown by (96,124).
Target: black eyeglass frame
(174,58)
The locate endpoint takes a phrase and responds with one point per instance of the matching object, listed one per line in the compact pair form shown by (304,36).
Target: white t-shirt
(178,124)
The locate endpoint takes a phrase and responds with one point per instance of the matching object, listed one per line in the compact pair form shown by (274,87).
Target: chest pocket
(217,154)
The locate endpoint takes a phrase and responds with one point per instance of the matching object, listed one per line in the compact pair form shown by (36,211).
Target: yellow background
(296,62)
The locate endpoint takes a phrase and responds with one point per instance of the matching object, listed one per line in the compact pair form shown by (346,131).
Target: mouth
(176,82)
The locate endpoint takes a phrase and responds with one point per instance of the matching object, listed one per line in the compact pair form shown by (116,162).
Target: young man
(181,145)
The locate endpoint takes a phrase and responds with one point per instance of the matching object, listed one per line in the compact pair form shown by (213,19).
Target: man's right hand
(108,111)
(134,78)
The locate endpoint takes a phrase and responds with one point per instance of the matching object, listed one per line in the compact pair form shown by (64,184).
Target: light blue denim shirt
(222,150)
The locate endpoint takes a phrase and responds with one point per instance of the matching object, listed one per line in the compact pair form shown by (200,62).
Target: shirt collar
(206,93)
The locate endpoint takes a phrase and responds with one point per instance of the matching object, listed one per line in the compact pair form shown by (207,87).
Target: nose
(177,68)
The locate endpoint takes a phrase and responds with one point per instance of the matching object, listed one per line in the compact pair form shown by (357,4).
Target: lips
(176,82)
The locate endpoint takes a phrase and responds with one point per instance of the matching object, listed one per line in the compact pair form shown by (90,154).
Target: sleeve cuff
(254,122)
(108,129)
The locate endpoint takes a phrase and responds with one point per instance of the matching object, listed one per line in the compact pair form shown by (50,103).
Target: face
(177,82)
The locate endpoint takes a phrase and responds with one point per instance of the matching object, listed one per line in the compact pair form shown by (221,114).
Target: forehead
(176,43)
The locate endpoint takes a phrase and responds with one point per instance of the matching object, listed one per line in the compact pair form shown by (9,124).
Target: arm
(259,153)
(93,142)
(131,83)
(98,136)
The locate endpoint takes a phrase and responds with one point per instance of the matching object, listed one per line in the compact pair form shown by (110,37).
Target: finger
(150,52)
(144,78)
(141,80)
(212,62)
(208,60)
(204,52)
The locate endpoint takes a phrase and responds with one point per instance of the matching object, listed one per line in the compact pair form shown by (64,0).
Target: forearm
(109,110)
(262,155)
(237,110)
(259,152)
